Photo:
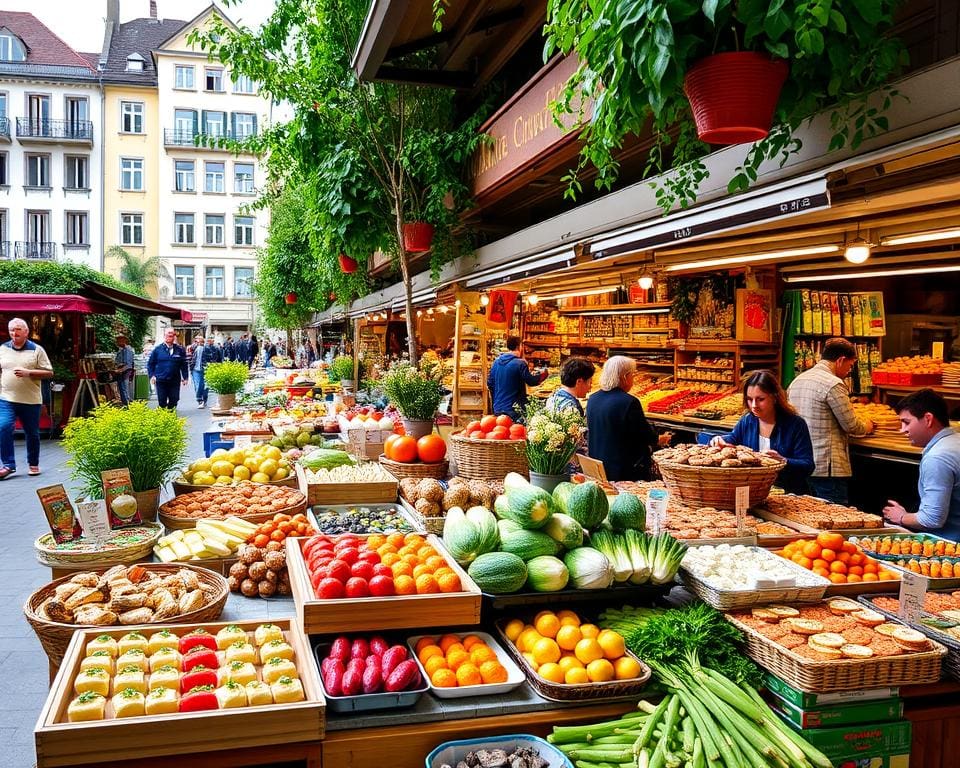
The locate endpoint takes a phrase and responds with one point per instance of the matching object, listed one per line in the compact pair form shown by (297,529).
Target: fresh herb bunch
(416,392)
(226,378)
(341,368)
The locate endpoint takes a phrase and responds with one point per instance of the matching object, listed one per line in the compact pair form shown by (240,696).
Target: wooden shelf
(614,308)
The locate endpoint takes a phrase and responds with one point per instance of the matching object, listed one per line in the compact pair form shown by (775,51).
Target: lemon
(281,473)
(252,464)
(588,650)
(626,668)
(201,465)
(203,478)
(513,630)
(222,469)
(273,452)
(530,660)
(547,624)
(569,662)
(259,477)
(551,672)
(546,651)
(284,464)
(527,638)
(241,472)
(600,671)
(589,630)
(218,453)
(268,467)
(236,455)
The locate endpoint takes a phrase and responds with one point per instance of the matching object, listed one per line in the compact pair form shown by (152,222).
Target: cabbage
(326,458)
(589,569)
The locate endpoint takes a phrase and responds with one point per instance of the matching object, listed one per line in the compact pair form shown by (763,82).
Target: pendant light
(645,281)
(858,250)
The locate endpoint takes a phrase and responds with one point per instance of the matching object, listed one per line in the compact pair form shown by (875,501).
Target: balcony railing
(59,130)
(176,137)
(26,249)
(6,249)
(5,128)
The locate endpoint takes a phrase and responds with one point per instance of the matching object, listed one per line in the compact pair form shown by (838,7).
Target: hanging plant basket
(417,236)
(290,298)
(348,265)
(733,96)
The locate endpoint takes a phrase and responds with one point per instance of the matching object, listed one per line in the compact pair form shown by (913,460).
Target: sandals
(33,471)
(5,472)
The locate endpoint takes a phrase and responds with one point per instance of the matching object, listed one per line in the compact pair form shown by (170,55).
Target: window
(242,84)
(131,229)
(4,178)
(184,126)
(3,104)
(134,63)
(185,181)
(213,177)
(213,79)
(243,230)
(38,228)
(183,228)
(213,281)
(78,232)
(243,178)
(5,252)
(131,174)
(38,170)
(214,123)
(131,116)
(183,281)
(11,49)
(77,174)
(243,282)
(183,77)
(244,124)
(213,229)
(38,111)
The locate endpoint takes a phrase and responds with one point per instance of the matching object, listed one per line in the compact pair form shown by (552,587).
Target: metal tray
(414,525)
(366,702)
(908,535)
(515,676)
(451,752)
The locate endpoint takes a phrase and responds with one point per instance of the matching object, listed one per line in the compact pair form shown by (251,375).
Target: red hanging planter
(348,265)
(417,236)
(733,95)
(290,298)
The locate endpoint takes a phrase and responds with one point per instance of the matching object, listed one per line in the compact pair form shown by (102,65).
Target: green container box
(805,700)
(857,713)
(141,387)
(861,741)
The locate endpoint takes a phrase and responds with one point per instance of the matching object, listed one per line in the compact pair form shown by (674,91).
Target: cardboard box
(811,700)
(856,742)
(857,713)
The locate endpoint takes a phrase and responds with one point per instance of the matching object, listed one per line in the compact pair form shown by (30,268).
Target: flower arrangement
(415,391)
(553,436)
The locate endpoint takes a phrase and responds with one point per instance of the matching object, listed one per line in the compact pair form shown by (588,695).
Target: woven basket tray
(84,552)
(717,486)
(55,636)
(180,488)
(171,522)
(485,459)
(400,470)
(842,674)
(613,689)
(432,525)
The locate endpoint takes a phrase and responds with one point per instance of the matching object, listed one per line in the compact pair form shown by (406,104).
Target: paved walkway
(23,663)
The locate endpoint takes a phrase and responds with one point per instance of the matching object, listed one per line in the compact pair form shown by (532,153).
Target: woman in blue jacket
(771,425)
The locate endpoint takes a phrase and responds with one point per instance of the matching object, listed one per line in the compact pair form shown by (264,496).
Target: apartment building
(50,146)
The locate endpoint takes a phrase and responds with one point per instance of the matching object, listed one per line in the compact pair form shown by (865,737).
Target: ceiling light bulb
(858,251)
(457,303)
(646,282)
(419,313)
(533,299)
(443,308)
(484,299)
(430,311)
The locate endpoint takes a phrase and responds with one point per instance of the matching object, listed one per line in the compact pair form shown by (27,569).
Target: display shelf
(614,308)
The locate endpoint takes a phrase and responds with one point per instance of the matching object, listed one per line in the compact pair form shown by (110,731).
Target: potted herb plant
(416,392)
(553,436)
(226,379)
(150,442)
(341,369)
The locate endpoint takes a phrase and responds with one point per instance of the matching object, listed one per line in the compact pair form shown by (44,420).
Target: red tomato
(405,450)
(329,589)
(362,568)
(473,425)
(388,444)
(370,556)
(504,421)
(487,423)
(381,586)
(518,432)
(379,569)
(349,555)
(357,587)
(499,433)
(339,570)
(431,449)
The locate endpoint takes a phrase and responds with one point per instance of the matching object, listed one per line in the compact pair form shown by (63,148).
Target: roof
(140,36)
(212,7)
(131,302)
(43,46)
(50,302)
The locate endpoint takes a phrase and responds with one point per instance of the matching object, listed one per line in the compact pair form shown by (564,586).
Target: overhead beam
(534,14)
(468,21)
(460,81)
(485,24)
(383,19)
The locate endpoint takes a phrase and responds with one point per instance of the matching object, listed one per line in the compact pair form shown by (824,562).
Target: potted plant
(341,369)
(655,63)
(553,436)
(416,392)
(150,442)
(226,379)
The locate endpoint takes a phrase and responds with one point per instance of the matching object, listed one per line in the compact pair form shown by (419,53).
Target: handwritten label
(242,441)
(913,590)
(657,501)
(95,520)
(742,505)
(937,352)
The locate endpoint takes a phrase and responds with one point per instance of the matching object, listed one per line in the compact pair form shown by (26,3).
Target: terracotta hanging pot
(417,236)
(733,95)
(348,265)
(290,298)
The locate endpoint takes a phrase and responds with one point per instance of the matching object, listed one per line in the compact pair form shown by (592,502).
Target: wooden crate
(60,743)
(368,614)
(347,493)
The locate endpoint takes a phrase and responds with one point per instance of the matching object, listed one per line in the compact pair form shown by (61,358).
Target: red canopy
(12,303)
(133,303)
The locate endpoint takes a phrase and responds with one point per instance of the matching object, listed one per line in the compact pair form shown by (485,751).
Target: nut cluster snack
(821,514)
(715,456)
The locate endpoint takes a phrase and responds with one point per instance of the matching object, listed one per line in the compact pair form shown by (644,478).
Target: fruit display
(833,629)
(362,472)
(260,463)
(243,500)
(715,456)
(429,449)
(723,407)
(297,437)
(458,493)
(378,565)
(494,428)
(244,426)
(362,666)
(563,649)
(362,519)
(471,661)
(934,568)
(260,571)
(737,568)
(918,545)
(909,371)
(210,539)
(944,608)
(819,513)
(279,528)
(831,556)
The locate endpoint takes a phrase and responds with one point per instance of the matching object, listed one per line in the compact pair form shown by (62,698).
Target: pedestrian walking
(168,370)
(123,368)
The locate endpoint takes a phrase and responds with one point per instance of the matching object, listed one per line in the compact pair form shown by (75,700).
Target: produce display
(918,545)
(370,418)
(517,757)
(361,520)
(429,449)
(260,572)
(834,558)
(124,595)
(494,428)
(364,472)
(459,661)
(916,370)
(243,500)
(715,456)
(210,539)
(351,566)
(279,528)
(458,493)
(297,437)
(945,605)
(245,425)
(723,407)
(737,568)
(819,513)
(326,459)
(563,649)
(834,629)
(362,666)
(260,463)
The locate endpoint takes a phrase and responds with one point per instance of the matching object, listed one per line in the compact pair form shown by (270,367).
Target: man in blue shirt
(123,368)
(168,364)
(508,381)
(924,418)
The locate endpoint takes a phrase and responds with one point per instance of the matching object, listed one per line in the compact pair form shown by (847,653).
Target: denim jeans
(168,393)
(29,416)
(200,386)
(833,489)
(123,389)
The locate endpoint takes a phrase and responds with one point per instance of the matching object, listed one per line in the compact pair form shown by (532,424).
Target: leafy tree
(142,274)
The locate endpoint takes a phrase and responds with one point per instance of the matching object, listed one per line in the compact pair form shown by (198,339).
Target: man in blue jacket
(166,364)
(508,380)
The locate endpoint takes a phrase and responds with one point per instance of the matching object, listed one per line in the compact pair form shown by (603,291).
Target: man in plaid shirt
(823,400)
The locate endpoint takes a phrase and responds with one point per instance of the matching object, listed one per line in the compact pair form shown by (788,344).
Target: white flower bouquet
(553,436)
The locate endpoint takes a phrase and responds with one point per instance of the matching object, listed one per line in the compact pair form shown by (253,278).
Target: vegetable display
(361,520)
(831,556)
(364,472)
(639,557)
(494,428)
(260,571)
(326,458)
(211,538)
(469,534)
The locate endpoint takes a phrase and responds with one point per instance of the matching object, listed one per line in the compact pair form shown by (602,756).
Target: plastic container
(366,702)
(515,676)
(451,752)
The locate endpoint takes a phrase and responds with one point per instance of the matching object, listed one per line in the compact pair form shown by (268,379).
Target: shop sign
(524,130)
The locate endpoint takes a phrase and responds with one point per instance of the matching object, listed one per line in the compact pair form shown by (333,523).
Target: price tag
(592,468)
(742,505)
(937,353)
(657,502)
(913,590)
(242,441)
(95,520)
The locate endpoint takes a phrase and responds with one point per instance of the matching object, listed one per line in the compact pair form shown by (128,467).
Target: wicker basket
(418,469)
(841,674)
(432,525)
(55,636)
(48,552)
(717,486)
(180,488)
(485,459)
(612,689)
(182,523)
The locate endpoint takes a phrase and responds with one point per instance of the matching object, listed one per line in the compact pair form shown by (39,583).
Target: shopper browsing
(204,353)
(23,364)
(508,381)
(576,377)
(771,425)
(823,400)
(123,369)
(924,419)
(167,369)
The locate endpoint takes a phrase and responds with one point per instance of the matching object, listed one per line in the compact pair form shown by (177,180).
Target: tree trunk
(407,293)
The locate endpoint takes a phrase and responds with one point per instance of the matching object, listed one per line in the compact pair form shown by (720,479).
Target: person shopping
(576,376)
(508,381)
(167,369)
(619,434)
(123,369)
(771,425)
(203,355)
(924,419)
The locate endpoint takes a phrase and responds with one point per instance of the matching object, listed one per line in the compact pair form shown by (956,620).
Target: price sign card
(937,351)
(913,590)
(592,468)
(742,505)
(242,441)
(657,502)
(95,520)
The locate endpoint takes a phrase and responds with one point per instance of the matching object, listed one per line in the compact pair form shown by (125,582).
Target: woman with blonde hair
(619,434)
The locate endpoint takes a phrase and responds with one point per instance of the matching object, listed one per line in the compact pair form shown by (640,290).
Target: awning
(14,303)
(133,303)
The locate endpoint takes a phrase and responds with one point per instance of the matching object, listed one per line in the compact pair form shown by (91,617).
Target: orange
(589,630)
(849,546)
(434,663)
(832,541)
(819,564)
(886,575)
(838,578)
(376,540)
(468,674)
(569,662)
(429,652)
(545,651)
(568,617)
(527,638)
(480,654)
(829,555)
(547,625)
(447,640)
(600,671)
(401,568)
(588,650)
(626,668)
(471,640)
(541,615)
(390,558)
(435,561)
(395,539)
(426,551)
(404,585)
(420,570)
(448,581)
(838,566)
(403,551)
(870,576)
(803,561)
(457,657)
(551,672)
(576,676)
(843,557)
(386,549)
(822,572)
(812,550)
(455,646)
(513,629)
(444,678)
(413,540)
(424,642)
(568,636)
(612,644)
(427,585)
(410,558)
(870,567)
(529,659)
(857,559)
(853,578)
(855,570)
(493,672)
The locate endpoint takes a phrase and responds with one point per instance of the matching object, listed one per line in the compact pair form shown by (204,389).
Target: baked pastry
(132,640)
(241,651)
(854,651)
(231,695)
(190,601)
(267,632)
(133,658)
(277,648)
(162,639)
(87,706)
(167,608)
(128,703)
(103,643)
(242,672)
(165,657)
(63,591)
(94,614)
(230,635)
(136,616)
(85,579)
(95,679)
(189,579)
(274,669)
(57,611)
(166,676)
(83,596)
(127,602)
(130,677)
(161,701)
(287,689)
(258,693)
(97,659)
